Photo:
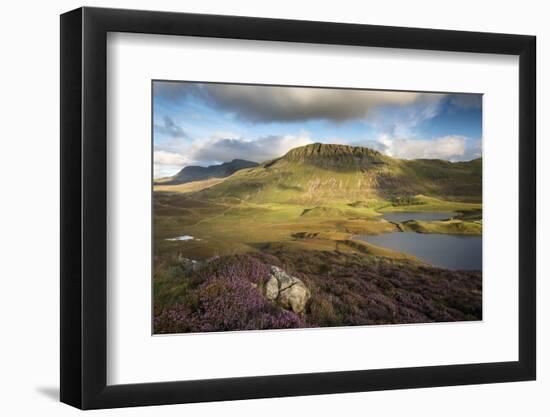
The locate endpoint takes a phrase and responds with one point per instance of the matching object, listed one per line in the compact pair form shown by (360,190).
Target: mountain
(198,173)
(319,173)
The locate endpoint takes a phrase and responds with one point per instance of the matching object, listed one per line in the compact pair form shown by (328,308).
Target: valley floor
(209,258)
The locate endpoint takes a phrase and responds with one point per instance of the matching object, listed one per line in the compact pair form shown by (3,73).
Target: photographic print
(279,207)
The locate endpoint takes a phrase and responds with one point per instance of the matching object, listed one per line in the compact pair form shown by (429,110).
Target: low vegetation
(301,212)
(187,187)
(347,289)
(408,200)
(455,227)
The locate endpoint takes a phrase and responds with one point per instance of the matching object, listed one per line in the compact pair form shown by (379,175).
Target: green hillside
(321,173)
(325,191)
(303,213)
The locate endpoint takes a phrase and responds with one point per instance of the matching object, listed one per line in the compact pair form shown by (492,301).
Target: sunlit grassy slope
(188,187)
(317,173)
(315,197)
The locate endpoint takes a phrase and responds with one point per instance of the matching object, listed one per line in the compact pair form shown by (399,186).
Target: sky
(205,123)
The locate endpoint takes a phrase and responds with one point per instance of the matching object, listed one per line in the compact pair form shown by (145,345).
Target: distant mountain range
(198,173)
(325,172)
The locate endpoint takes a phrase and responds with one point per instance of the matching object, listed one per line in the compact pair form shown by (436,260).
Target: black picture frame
(84,207)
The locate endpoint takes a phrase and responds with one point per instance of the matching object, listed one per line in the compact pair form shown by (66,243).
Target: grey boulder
(286,291)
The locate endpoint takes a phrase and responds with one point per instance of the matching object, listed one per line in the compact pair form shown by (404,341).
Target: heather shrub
(321,313)
(175,319)
(229,299)
(244,266)
(347,289)
(358,289)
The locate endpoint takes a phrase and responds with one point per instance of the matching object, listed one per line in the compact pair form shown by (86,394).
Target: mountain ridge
(318,173)
(197,173)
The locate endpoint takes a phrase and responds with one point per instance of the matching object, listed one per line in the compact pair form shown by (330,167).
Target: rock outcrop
(189,265)
(286,291)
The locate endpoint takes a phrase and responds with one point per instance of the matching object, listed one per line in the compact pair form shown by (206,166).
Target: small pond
(182,237)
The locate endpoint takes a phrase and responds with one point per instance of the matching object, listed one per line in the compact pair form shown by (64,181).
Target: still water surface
(443,250)
(182,237)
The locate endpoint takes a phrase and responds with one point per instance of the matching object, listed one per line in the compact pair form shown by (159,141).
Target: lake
(443,250)
(446,251)
(418,215)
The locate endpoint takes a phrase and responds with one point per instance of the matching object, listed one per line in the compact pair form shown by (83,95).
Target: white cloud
(447,147)
(402,121)
(474,151)
(171,157)
(168,163)
(223,149)
(172,145)
(224,134)
(162,171)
